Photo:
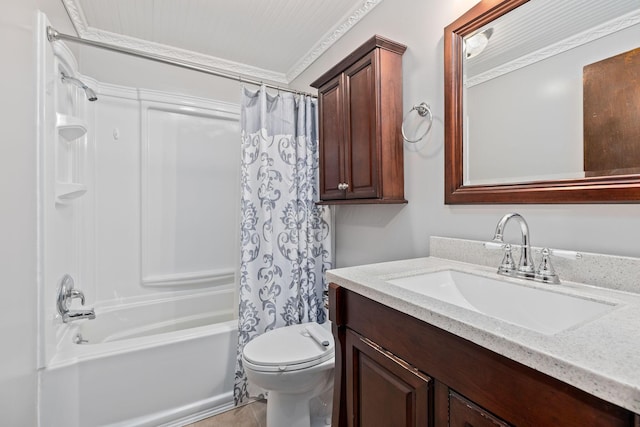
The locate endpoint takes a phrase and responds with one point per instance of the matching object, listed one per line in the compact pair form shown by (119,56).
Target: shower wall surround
(138,193)
(64,148)
(167,180)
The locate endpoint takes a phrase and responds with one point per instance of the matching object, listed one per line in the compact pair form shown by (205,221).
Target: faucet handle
(65,286)
(494,244)
(561,253)
(545,272)
(507,266)
(75,293)
(565,254)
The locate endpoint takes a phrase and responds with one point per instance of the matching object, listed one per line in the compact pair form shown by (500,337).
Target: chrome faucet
(526,268)
(545,272)
(66,293)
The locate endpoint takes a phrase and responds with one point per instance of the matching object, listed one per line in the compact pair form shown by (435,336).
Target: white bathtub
(164,362)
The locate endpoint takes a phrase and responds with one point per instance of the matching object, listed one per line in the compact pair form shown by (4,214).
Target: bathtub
(158,362)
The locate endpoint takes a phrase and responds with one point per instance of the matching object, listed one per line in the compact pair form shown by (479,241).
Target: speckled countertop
(600,356)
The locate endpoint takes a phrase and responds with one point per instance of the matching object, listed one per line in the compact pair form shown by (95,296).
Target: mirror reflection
(551,90)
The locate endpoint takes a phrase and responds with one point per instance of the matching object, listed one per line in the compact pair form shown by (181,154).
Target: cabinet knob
(343,186)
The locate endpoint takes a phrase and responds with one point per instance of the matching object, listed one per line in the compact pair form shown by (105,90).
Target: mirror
(525,85)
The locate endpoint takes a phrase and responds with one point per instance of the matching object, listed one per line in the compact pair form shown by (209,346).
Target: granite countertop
(600,356)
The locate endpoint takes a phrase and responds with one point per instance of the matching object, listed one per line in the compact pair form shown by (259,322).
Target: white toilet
(295,365)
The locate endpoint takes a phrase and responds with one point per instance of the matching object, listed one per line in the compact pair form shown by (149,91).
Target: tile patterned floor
(251,415)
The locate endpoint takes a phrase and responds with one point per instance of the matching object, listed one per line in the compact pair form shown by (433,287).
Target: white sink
(543,311)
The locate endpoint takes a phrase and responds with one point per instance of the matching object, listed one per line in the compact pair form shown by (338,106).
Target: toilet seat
(289,348)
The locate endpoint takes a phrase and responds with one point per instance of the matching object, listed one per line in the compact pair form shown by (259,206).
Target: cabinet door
(332,135)
(463,413)
(361,104)
(382,390)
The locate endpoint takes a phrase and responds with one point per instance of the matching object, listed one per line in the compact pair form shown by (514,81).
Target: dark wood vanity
(395,370)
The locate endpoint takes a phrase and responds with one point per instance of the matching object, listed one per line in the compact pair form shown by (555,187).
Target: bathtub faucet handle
(66,293)
(75,293)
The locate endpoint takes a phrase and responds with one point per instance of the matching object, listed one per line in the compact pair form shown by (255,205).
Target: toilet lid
(288,348)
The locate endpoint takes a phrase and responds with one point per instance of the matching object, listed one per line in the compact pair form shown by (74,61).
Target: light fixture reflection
(477,43)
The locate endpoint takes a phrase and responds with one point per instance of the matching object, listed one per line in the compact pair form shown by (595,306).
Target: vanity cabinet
(421,375)
(360,114)
(382,389)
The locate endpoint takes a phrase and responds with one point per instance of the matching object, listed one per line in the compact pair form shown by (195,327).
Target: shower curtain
(285,237)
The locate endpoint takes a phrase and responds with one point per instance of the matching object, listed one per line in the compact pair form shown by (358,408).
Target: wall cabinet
(360,114)
(424,376)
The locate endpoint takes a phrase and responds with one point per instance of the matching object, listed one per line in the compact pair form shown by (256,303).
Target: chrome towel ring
(423,110)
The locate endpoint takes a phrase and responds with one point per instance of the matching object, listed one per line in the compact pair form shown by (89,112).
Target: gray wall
(18,262)
(377,233)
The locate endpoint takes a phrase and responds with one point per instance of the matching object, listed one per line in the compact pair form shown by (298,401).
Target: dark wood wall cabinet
(360,114)
(395,370)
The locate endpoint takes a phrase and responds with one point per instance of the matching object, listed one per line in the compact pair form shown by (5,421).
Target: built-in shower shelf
(70,127)
(65,192)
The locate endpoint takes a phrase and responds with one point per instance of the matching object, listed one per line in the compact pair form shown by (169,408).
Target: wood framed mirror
(616,185)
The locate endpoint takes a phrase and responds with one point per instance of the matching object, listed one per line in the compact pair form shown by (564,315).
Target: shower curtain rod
(53,35)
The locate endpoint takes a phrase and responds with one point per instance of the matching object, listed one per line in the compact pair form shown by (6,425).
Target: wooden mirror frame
(603,189)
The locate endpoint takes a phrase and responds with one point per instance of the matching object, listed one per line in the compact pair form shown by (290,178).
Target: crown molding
(211,62)
(84,31)
(76,14)
(605,29)
(331,37)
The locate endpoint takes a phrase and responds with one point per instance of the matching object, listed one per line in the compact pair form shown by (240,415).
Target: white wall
(377,233)
(18,212)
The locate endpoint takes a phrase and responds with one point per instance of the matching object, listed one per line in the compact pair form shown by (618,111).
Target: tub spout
(78,314)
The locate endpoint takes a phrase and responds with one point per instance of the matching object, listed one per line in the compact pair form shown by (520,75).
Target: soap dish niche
(70,128)
(66,192)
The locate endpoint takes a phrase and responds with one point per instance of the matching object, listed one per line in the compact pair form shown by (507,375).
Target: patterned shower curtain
(285,237)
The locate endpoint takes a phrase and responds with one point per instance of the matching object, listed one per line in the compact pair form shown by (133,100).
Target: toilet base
(291,410)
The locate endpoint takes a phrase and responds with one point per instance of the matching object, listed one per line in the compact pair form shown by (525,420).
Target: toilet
(295,365)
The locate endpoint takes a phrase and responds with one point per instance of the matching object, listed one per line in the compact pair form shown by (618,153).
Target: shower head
(91,95)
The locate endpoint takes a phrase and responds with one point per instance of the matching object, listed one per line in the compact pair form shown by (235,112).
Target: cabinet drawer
(463,413)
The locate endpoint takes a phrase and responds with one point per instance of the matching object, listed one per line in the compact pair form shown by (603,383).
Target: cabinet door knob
(343,186)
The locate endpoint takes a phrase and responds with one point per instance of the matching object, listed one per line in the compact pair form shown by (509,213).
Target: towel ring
(423,110)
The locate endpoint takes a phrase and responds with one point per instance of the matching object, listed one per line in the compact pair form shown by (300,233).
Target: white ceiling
(261,39)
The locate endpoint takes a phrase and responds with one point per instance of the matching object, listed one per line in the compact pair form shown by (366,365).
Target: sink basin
(543,311)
